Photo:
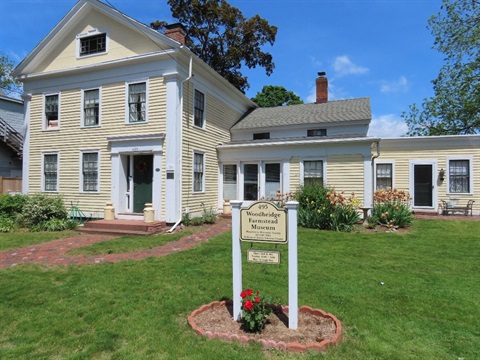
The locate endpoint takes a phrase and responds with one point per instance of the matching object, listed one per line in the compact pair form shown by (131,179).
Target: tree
(7,83)
(272,95)
(455,107)
(221,36)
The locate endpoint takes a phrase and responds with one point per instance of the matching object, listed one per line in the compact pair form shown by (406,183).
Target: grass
(18,239)
(428,307)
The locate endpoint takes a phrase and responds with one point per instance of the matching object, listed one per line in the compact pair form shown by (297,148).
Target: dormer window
(91,43)
(316,132)
(261,136)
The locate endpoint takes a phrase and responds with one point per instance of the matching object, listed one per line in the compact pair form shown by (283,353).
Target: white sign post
(263,236)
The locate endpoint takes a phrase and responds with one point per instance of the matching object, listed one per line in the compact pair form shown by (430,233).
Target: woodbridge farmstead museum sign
(264,222)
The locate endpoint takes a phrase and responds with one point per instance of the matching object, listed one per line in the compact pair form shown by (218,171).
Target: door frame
(434,166)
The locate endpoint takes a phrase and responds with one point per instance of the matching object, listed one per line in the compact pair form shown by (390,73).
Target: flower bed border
(268,344)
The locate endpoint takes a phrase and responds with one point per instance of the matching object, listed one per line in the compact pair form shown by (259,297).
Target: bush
(391,208)
(55,225)
(6,224)
(326,209)
(209,216)
(11,205)
(40,208)
(186,219)
(196,221)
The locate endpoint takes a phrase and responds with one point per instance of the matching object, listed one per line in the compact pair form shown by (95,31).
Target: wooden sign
(263,221)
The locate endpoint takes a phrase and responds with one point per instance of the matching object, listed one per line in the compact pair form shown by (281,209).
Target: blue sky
(379,49)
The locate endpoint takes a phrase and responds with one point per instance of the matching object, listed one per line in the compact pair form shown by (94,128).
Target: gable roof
(305,114)
(82,7)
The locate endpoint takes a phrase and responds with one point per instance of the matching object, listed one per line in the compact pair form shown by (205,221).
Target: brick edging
(269,344)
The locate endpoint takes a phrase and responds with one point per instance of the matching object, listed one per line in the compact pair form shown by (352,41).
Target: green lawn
(18,239)
(428,307)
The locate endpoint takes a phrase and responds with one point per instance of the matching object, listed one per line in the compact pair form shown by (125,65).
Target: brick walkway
(55,252)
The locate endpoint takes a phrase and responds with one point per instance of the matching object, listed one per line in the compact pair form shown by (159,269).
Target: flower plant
(254,310)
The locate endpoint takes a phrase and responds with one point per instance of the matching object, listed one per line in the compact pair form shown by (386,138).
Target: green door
(142,181)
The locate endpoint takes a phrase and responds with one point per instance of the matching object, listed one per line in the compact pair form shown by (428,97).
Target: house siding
(295,181)
(345,173)
(440,154)
(70,139)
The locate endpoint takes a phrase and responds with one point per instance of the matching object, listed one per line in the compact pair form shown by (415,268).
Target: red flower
(248,305)
(257,299)
(243,295)
(248,292)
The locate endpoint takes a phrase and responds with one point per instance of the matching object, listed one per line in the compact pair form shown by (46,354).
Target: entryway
(422,184)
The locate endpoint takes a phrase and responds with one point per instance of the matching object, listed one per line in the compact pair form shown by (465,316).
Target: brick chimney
(322,88)
(176,32)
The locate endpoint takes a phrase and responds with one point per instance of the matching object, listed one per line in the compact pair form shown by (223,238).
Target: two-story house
(118,112)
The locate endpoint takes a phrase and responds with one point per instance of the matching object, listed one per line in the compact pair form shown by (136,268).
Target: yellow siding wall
(402,159)
(122,43)
(219,119)
(70,139)
(345,173)
(294,174)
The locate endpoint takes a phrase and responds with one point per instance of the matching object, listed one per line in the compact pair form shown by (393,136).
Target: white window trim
(80,171)
(44,118)
(127,110)
(43,171)
(470,169)
(82,109)
(204,119)
(193,171)
(381,162)
(302,168)
(92,32)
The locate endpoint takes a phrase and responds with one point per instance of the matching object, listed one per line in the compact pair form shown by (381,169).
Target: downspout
(373,170)
(190,75)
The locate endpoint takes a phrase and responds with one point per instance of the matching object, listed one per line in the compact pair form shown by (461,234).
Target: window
(229,182)
(90,171)
(199,109)
(250,182)
(91,107)
(51,111)
(198,171)
(94,44)
(272,180)
(261,136)
(384,176)
(137,99)
(459,176)
(313,172)
(316,132)
(50,172)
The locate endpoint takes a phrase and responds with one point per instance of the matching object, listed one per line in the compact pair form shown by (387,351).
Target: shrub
(54,224)
(186,219)
(6,224)
(209,216)
(196,221)
(255,313)
(391,208)
(326,209)
(12,205)
(40,208)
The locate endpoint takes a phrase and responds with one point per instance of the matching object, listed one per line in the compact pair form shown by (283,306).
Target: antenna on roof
(322,73)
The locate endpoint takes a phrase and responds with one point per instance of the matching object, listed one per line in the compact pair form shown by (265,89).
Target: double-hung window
(91,107)
(313,172)
(199,109)
(50,172)
(137,102)
(198,171)
(459,176)
(229,182)
(384,176)
(51,111)
(90,171)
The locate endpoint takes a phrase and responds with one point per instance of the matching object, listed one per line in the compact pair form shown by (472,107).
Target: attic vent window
(316,132)
(261,136)
(93,44)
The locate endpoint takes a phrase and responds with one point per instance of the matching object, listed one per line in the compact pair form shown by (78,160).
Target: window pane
(459,171)
(199,108)
(50,164)
(51,110)
(137,102)
(312,172)
(90,171)
(316,132)
(93,44)
(250,181)
(198,172)
(272,180)
(384,176)
(91,107)
(229,182)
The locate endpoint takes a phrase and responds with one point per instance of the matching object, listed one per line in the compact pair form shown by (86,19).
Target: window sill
(204,128)
(90,126)
(136,123)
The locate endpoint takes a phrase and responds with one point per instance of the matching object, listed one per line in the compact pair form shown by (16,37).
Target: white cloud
(344,66)
(316,63)
(400,85)
(389,125)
